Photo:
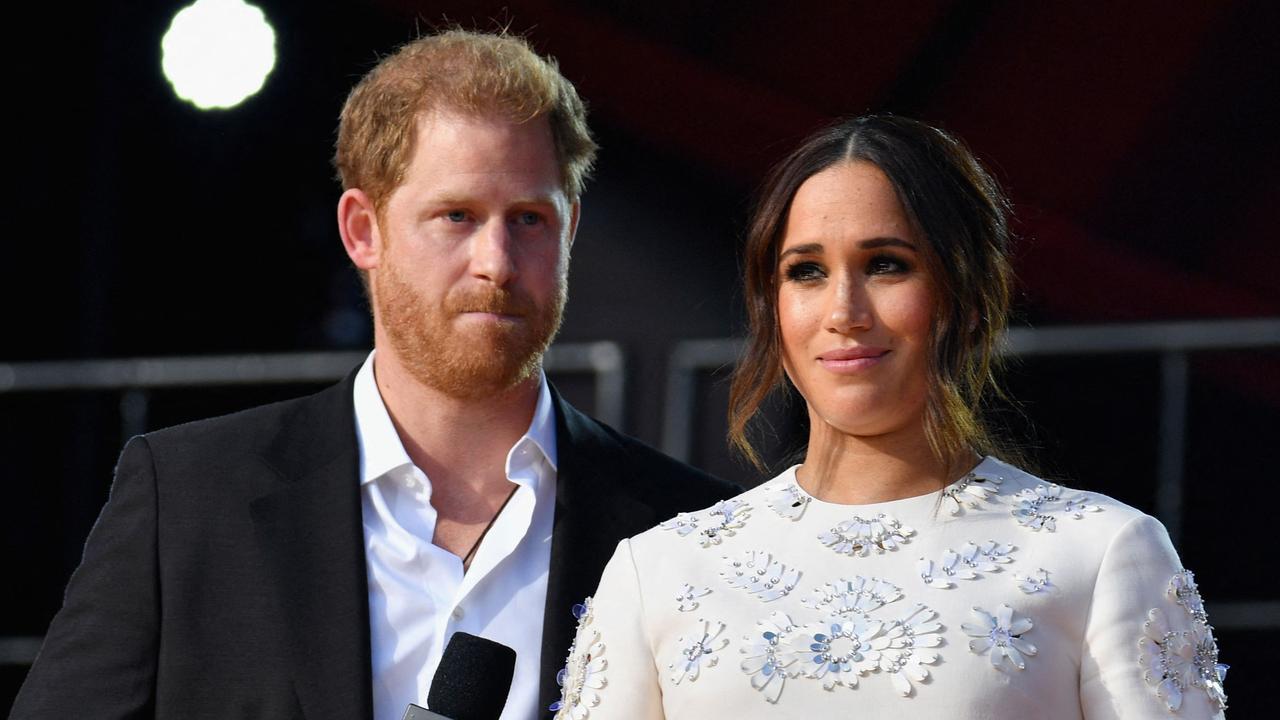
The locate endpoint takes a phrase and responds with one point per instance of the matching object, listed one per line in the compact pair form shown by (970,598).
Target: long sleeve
(100,653)
(1134,662)
(611,671)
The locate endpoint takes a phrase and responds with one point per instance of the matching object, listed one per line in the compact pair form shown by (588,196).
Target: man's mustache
(498,301)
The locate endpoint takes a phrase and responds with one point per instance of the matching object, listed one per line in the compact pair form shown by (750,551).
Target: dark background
(1137,141)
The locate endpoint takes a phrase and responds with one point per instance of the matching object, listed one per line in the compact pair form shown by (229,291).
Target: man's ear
(358,226)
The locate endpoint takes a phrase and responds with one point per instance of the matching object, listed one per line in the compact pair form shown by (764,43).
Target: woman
(901,568)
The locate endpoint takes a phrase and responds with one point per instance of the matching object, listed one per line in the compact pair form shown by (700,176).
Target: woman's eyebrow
(805,249)
(873,243)
(868,244)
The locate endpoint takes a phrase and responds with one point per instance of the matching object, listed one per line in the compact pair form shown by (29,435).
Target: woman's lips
(852,360)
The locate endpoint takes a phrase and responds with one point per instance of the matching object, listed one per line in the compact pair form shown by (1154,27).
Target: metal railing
(134,377)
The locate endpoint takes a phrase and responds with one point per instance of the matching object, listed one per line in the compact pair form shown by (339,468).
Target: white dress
(1002,596)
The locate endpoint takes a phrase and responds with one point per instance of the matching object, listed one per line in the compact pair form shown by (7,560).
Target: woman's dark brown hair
(961,212)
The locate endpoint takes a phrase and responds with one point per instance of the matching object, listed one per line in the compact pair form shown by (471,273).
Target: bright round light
(216,53)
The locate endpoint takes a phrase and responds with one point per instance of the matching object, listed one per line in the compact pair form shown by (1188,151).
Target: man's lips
(844,360)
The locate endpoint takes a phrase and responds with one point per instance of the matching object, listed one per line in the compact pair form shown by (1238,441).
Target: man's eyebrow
(463,200)
(868,244)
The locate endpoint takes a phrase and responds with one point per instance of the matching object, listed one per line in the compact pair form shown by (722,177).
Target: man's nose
(492,258)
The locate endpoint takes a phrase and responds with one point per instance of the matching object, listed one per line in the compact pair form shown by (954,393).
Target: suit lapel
(310,531)
(593,512)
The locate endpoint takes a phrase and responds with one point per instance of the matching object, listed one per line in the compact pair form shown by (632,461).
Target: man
(311,558)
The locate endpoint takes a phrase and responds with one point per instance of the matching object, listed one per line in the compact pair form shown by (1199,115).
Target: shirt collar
(382,452)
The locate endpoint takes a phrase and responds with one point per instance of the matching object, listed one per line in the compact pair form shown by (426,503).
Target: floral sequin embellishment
(765,658)
(910,638)
(968,564)
(843,651)
(1173,662)
(759,574)
(687,597)
(1002,635)
(698,650)
(860,595)
(583,673)
(858,536)
(1035,582)
(1040,508)
(788,500)
(970,491)
(854,643)
(721,520)
(1184,591)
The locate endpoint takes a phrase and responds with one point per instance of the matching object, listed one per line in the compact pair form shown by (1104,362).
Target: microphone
(471,683)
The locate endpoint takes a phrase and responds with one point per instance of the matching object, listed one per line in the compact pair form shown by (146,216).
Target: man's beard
(481,360)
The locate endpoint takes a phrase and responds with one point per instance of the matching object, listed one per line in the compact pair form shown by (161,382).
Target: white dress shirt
(418,593)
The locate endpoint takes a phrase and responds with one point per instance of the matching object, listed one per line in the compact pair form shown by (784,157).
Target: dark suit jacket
(226,575)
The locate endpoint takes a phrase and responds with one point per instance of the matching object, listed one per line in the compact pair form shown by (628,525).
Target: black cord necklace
(466,560)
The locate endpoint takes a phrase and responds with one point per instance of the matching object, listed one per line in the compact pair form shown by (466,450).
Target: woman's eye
(886,265)
(456,216)
(802,271)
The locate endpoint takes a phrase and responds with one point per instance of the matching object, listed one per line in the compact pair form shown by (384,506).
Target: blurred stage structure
(594,376)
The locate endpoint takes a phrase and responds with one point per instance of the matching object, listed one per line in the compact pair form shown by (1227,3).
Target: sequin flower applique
(760,575)
(721,520)
(859,595)
(1174,662)
(1001,634)
(970,491)
(765,657)
(1035,582)
(968,564)
(899,648)
(858,536)
(583,673)
(910,640)
(698,650)
(788,500)
(687,597)
(840,652)
(1040,508)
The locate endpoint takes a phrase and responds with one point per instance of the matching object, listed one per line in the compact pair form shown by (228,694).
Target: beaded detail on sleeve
(583,673)
(1175,662)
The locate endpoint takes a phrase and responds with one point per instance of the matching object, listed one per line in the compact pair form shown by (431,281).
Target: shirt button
(457,613)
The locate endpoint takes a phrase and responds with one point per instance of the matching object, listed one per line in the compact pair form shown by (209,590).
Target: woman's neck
(852,470)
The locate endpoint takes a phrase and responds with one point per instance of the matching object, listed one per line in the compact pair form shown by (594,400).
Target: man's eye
(802,271)
(528,218)
(456,216)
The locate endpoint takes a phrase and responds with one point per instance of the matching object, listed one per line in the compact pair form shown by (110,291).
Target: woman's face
(855,303)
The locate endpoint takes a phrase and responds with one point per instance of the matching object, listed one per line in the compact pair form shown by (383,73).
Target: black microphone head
(473,679)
